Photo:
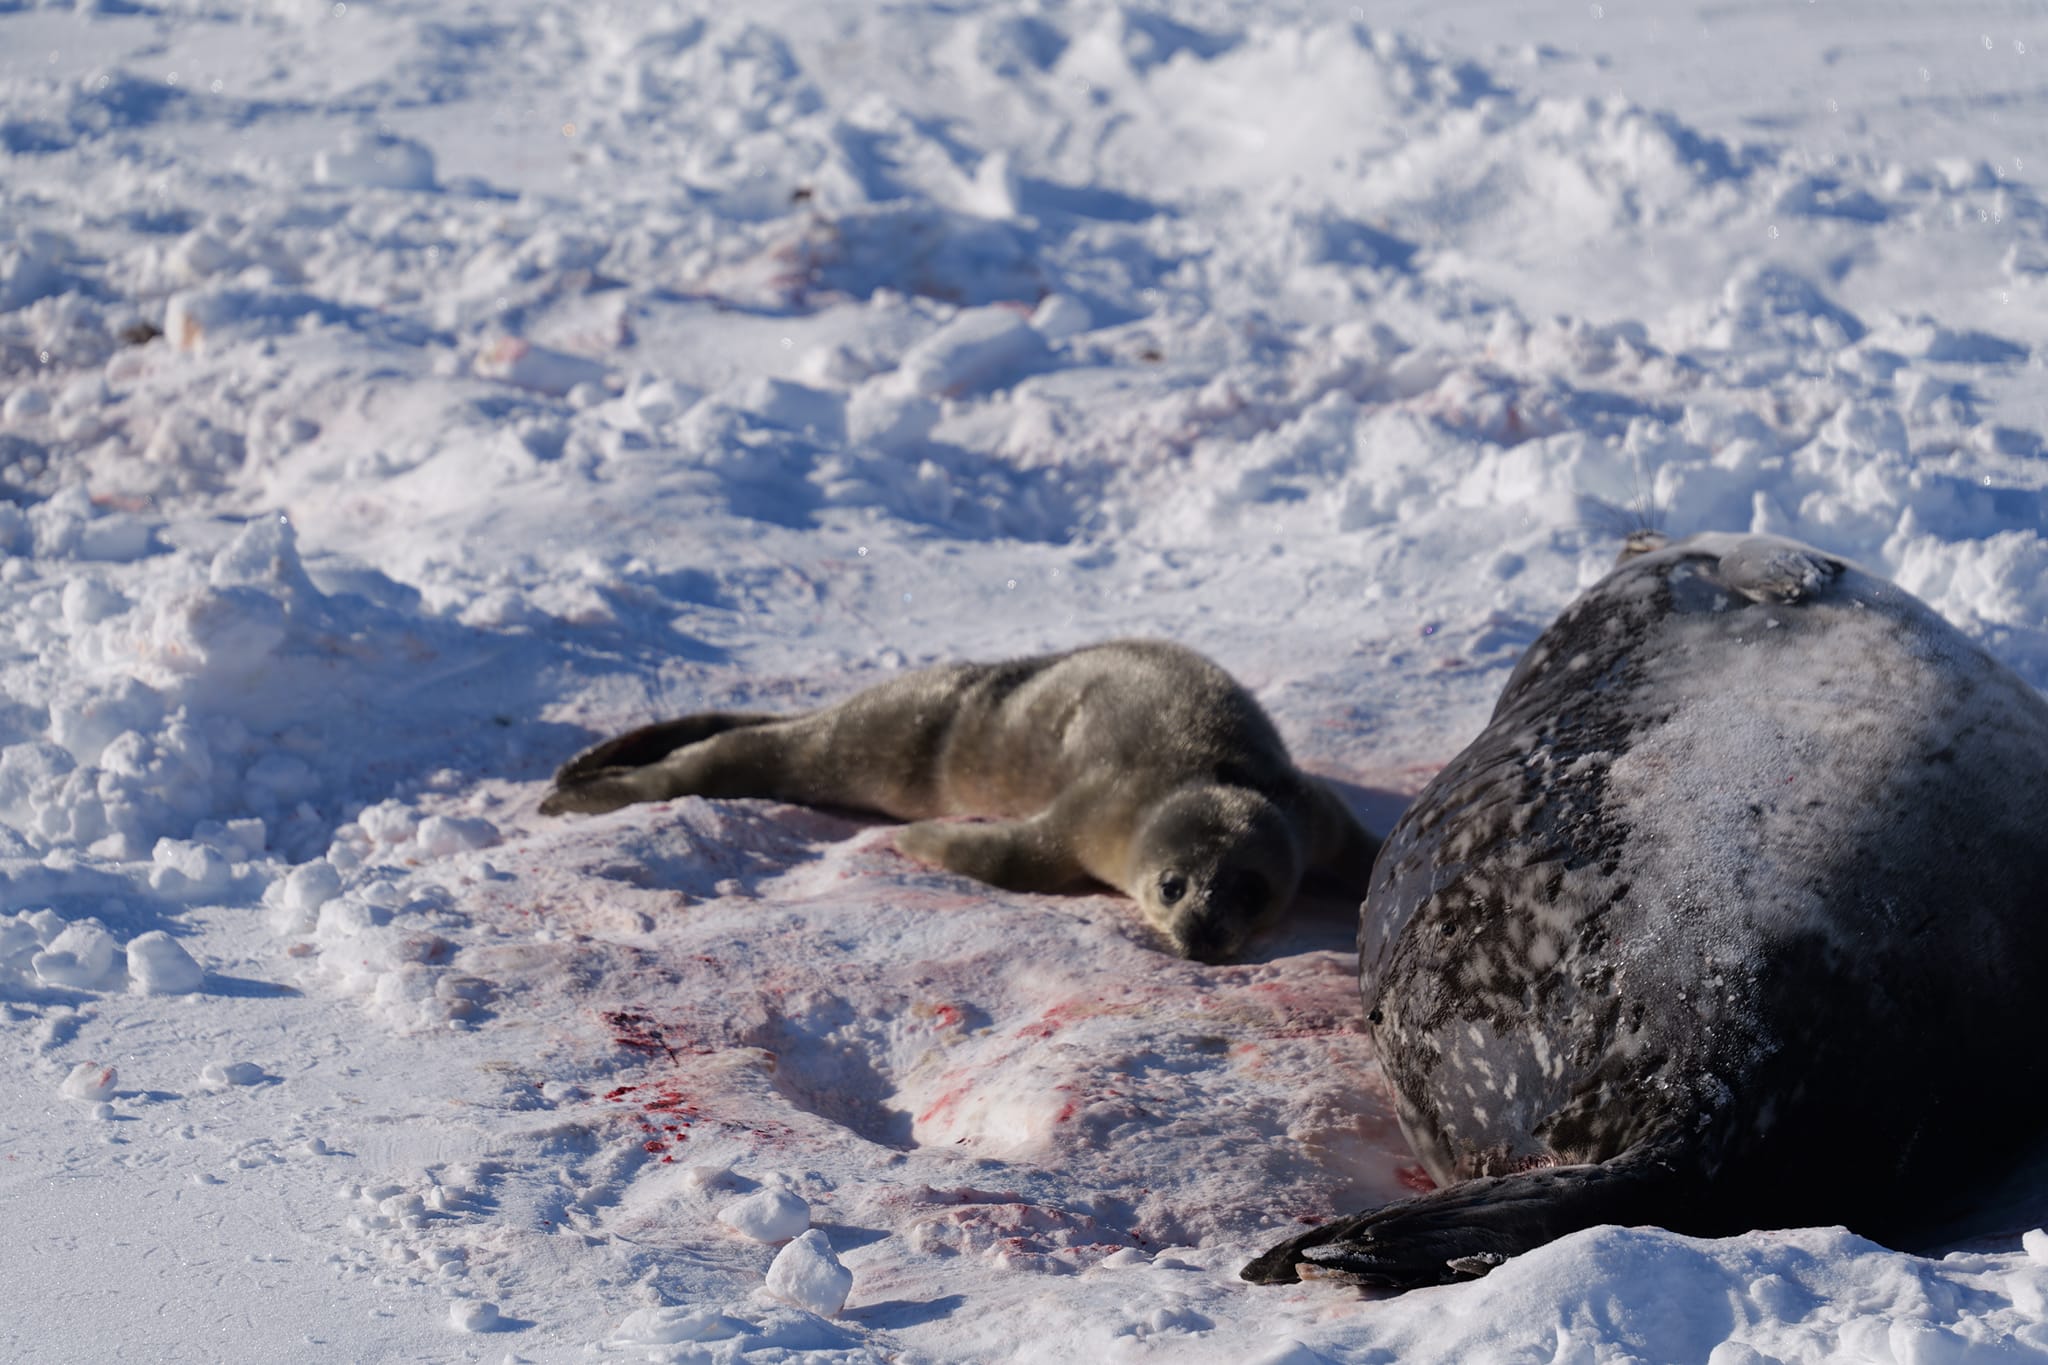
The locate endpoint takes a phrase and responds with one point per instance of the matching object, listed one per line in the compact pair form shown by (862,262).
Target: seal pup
(1735,916)
(1136,763)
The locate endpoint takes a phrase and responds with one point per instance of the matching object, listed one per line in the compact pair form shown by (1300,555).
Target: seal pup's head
(1212,865)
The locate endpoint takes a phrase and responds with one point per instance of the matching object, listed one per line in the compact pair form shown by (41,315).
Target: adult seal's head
(1732,917)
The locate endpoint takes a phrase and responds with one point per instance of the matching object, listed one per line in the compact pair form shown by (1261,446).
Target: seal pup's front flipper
(1464,1231)
(1016,855)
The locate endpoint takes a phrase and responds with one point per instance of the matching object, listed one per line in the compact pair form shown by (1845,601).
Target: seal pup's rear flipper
(622,770)
(721,754)
(652,743)
(1464,1231)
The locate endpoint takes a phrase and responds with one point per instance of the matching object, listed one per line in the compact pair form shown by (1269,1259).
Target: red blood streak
(1415,1178)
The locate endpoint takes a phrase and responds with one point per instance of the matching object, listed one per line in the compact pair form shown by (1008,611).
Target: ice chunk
(31,267)
(19,943)
(82,957)
(1061,315)
(114,539)
(239,839)
(517,361)
(199,254)
(218,630)
(473,1315)
(89,1081)
(87,601)
(24,403)
(879,415)
(669,1326)
(769,1215)
(311,885)
(798,407)
(662,400)
(222,1075)
(371,160)
(979,350)
(86,722)
(265,555)
(159,965)
(389,822)
(441,835)
(995,188)
(188,870)
(343,918)
(807,1274)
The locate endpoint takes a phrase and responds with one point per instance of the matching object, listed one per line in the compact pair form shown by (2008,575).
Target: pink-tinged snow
(396,396)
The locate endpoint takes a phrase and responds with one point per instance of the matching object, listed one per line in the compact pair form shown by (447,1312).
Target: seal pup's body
(1135,763)
(1735,916)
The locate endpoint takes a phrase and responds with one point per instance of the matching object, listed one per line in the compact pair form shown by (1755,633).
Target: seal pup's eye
(1172,886)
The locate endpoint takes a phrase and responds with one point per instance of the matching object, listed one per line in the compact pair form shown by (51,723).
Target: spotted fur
(1734,916)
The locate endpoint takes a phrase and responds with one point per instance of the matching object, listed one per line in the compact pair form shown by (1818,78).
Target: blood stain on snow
(941,1104)
(945,1016)
(670,1101)
(1068,1012)
(637,1031)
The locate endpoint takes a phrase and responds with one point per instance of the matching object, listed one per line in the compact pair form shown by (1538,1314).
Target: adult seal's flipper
(1464,1231)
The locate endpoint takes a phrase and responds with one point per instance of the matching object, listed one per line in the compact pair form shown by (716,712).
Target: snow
(159,965)
(770,1215)
(807,1274)
(396,396)
(89,1081)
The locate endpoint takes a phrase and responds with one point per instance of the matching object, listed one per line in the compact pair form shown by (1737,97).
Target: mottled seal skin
(1135,763)
(1735,916)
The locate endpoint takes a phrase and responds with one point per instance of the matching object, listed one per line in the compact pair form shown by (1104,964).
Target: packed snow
(397,395)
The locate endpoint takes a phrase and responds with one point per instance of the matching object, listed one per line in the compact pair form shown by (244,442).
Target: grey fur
(1136,763)
(1734,916)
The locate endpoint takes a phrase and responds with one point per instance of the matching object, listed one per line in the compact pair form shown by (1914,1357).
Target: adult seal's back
(1733,917)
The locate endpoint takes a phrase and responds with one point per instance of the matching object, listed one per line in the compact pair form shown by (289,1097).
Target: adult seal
(1731,918)
(1135,763)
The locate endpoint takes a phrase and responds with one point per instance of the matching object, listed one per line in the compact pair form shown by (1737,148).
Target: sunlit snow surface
(395,396)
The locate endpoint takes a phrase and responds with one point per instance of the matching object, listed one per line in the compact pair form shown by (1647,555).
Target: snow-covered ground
(397,394)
